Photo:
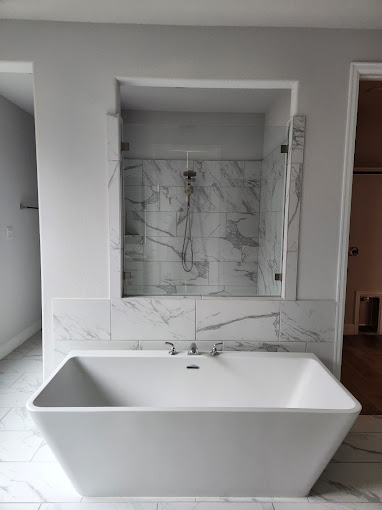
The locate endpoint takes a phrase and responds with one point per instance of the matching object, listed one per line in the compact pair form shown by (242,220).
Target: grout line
(40,445)
(6,414)
(14,382)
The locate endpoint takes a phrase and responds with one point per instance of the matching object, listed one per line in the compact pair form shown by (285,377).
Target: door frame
(358,71)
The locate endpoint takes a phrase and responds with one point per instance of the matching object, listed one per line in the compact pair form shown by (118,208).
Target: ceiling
(176,99)
(276,13)
(18,88)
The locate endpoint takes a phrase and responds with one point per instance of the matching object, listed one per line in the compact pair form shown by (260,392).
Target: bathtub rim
(35,409)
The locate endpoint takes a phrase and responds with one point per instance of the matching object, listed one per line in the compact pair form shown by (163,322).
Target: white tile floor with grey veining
(31,479)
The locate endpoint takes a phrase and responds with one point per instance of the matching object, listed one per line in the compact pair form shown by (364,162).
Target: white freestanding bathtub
(144,423)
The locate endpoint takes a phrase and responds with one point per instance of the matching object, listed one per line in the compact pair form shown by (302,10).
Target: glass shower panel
(228,242)
(271,212)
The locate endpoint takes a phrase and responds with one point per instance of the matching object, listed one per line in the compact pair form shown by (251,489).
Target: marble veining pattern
(81,319)
(224,225)
(132,172)
(242,226)
(141,198)
(243,320)
(140,223)
(203,224)
(230,199)
(234,274)
(152,319)
(349,483)
(172,273)
(264,346)
(294,205)
(357,447)
(312,321)
(298,139)
(172,198)
(134,247)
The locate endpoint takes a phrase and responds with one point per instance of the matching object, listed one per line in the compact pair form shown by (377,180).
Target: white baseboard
(349,329)
(20,338)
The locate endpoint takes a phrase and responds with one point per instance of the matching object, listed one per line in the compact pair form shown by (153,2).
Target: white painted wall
(20,289)
(275,123)
(74,88)
(225,136)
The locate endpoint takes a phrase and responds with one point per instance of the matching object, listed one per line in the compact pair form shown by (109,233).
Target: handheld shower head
(188,187)
(189,174)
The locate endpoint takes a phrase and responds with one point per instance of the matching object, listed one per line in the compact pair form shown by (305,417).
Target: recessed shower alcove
(204,176)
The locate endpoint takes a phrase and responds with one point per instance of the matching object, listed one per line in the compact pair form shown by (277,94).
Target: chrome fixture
(193,350)
(194,367)
(190,175)
(188,187)
(214,351)
(172,351)
(187,239)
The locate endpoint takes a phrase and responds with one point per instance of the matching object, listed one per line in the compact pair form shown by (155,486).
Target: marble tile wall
(242,324)
(225,227)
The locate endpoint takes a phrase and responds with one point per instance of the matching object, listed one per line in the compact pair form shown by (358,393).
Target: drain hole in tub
(194,367)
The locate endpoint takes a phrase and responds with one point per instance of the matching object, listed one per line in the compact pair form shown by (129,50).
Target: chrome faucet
(193,350)
(172,351)
(214,351)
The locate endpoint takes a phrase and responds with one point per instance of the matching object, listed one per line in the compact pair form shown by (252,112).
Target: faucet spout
(193,350)
(215,351)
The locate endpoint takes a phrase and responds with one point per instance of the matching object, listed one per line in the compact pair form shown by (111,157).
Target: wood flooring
(362,370)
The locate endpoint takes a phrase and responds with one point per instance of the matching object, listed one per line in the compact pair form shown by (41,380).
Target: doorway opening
(362,341)
(20,291)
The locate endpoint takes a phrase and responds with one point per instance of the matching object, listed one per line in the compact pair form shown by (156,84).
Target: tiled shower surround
(225,216)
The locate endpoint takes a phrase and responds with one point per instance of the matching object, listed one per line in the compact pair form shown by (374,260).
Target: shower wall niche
(233,243)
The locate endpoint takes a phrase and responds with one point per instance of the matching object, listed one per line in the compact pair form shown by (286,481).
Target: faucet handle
(214,351)
(173,351)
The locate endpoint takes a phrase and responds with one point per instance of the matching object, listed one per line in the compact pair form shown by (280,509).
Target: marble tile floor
(31,479)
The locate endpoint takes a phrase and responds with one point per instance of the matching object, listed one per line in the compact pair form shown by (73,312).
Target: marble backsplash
(242,324)
(225,227)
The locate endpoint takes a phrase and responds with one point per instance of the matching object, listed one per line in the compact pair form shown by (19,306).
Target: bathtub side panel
(190,454)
